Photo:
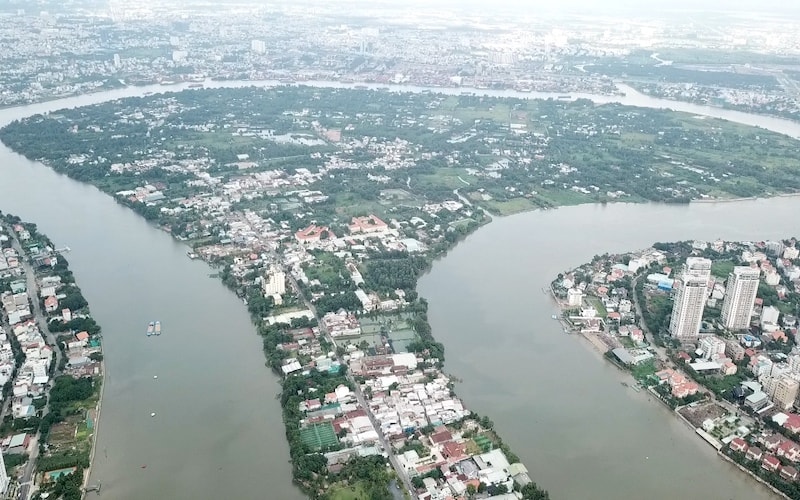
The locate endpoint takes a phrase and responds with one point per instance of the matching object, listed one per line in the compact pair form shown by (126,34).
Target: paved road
(401,475)
(26,481)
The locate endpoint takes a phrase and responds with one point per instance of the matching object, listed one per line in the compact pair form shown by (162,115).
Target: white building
(712,347)
(275,282)
(769,318)
(687,310)
(791,253)
(574,297)
(4,479)
(258,46)
(740,297)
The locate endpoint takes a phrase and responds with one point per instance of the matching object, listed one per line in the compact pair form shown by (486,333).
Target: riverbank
(96,429)
(683,376)
(63,423)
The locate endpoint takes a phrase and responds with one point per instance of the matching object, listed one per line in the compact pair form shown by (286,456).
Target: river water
(218,431)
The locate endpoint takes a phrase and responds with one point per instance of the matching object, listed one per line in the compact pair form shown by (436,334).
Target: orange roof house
(368,224)
(313,233)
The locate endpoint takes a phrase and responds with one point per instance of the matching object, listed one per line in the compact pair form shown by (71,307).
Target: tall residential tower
(740,296)
(690,299)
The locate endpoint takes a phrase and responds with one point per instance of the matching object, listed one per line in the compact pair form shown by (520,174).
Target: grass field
(722,268)
(597,304)
(512,206)
(318,436)
(352,492)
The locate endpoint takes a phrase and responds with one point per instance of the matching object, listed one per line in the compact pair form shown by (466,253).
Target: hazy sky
(642,7)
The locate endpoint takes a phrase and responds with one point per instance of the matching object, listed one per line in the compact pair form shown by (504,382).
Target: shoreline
(652,396)
(87,473)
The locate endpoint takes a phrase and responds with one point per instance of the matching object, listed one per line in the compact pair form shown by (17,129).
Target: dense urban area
(710,329)
(321,195)
(50,368)
(54,49)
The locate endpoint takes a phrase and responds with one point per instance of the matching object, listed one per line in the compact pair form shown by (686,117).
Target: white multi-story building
(712,347)
(574,297)
(690,299)
(258,46)
(275,282)
(740,297)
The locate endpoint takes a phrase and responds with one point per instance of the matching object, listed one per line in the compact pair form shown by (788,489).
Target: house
(789,450)
(313,233)
(770,463)
(792,423)
(50,304)
(789,473)
(739,444)
(754,453)
(367,225)
(772,442)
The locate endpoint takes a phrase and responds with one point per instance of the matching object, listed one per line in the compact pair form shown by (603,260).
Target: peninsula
(51,369)
(322,207)
(710,330)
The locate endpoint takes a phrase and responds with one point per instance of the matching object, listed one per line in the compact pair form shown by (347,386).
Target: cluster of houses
(774,452)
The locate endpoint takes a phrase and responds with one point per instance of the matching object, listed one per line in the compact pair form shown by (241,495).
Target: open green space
(318,436)
(598,305)
(352,492)
(722,268)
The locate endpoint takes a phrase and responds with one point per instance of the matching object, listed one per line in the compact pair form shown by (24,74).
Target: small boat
(150,328)
(624,384)
(158,328)
(554,316)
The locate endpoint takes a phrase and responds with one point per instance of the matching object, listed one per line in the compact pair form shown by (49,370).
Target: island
(322,207)
(323,239)
(710,329)
(50,369)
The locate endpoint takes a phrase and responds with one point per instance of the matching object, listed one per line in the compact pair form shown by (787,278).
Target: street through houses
(362,402)
(26,480)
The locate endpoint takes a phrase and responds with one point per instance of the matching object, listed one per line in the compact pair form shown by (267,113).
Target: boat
(150,328)
(158,328)
(554,316)
(195,85)
(564,97)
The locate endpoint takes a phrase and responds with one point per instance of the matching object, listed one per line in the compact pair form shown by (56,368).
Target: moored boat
(158,328)
(150,328)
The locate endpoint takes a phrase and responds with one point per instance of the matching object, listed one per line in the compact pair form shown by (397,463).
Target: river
(218,431)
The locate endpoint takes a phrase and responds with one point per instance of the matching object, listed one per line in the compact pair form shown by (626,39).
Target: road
(26,482)
(401,475)
(661,353)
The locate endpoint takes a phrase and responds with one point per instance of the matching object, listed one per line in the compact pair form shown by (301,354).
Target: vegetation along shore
(52,378)
(710,330)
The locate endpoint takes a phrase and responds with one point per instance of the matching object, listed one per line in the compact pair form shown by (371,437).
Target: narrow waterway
(218,431)
(552,397)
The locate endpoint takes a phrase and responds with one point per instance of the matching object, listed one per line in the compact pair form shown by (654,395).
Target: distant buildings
(258,46)
(740,296)
(690,299)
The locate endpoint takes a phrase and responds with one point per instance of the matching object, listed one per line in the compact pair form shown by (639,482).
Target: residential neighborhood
(45,354)
(710,329)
